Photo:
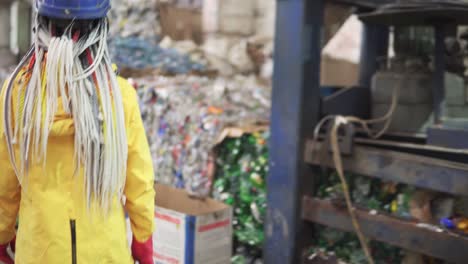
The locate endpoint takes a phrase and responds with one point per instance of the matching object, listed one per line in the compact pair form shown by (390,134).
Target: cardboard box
(341,55)
(191,231)
(339,73)
(181,23)
(334,17)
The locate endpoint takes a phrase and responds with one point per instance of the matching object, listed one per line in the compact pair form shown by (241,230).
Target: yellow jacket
(51,204)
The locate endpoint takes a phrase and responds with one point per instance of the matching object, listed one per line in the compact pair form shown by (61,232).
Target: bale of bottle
(241,170)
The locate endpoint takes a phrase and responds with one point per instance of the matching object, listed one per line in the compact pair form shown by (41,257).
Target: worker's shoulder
(127,90)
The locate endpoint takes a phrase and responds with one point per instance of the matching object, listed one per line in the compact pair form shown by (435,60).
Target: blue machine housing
(73,9)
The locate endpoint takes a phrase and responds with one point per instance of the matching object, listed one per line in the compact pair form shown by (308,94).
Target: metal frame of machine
(297,109)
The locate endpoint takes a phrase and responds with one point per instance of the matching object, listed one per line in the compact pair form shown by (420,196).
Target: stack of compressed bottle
(367,193)
(346,247)
(135,18)
(429,209)
(184,116)
(242,166)
(370,193)
(137,53)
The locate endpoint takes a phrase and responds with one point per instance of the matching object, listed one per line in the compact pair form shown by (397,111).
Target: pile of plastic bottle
(346,247)
(369,193)
(185,115)
(425,208)
(134,18)
(137,53)
(241,170)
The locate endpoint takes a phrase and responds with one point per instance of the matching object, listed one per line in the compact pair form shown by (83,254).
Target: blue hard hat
(73,9)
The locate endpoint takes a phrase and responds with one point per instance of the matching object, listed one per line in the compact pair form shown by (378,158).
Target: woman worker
(74,158)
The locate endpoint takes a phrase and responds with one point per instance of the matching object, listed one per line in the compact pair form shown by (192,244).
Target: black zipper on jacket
(73,240)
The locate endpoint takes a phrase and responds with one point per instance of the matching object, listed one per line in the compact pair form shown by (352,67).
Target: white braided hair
(78,69)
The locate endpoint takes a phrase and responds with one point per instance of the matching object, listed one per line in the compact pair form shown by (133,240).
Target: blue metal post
(295,112)
(374,45)
(438,89)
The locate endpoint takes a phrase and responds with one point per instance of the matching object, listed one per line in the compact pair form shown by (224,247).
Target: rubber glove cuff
(143,252)
(4,256)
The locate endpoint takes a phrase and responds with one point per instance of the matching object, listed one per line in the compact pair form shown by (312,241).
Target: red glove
(143,252)
(4,257)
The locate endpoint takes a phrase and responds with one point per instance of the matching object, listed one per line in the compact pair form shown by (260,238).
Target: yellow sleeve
(10,196)
(139,187)
(10,190)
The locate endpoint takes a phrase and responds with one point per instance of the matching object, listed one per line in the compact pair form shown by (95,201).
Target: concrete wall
(242,18)
(265,18)
(21,24)
(6,58)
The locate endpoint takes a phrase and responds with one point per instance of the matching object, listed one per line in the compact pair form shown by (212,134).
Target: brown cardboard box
(190,230)
(340,73)
(181,23)
(341,54)
(335,72)
(334,17)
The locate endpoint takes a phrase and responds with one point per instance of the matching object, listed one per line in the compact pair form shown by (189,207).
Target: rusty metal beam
(428,173)
(404,234)
(372,4)
(417,148)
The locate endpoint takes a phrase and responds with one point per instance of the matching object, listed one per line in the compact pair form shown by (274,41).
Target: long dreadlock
(69,61)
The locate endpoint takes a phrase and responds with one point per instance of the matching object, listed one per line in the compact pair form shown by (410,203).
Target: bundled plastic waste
(231,55)
(430,209)
(137,53)
(134,18)
(366,193)
(371,194)
(184,117)
(346,247)
(227,57)
(242,166)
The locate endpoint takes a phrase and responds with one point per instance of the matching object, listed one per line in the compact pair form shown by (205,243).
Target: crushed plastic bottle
(240,182)
(185,115)
(134,18)
(138,53)
(346,247)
